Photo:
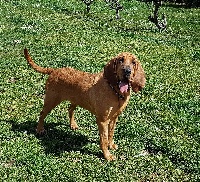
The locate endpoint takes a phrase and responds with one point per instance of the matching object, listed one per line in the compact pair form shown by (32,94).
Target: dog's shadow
(57,138)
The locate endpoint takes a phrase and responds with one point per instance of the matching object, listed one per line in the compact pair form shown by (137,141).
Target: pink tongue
(123,87)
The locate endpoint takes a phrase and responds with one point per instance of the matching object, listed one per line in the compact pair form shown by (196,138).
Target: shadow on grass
(185,163)
(56,139)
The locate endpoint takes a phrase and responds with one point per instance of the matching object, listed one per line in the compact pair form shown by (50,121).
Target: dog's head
(125,71)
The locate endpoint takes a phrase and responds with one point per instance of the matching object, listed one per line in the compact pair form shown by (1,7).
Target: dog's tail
(35,66)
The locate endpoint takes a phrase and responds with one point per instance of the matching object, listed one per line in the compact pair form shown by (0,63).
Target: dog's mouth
(124,86)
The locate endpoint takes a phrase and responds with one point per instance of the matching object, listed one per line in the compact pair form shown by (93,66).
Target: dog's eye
(121,60)
(134,63)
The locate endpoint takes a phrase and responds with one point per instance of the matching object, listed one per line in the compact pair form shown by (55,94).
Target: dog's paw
(73,126)
(40,132)
(113,147)
(110,157)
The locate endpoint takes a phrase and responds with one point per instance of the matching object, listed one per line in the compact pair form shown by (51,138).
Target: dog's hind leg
(51,101)
(73,123)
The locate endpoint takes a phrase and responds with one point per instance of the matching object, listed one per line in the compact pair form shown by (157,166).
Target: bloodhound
(104,94)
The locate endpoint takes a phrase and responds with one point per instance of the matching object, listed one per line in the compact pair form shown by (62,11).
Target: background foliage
(188,3)
(159,132)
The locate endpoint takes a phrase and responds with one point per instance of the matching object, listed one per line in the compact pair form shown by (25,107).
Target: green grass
(159,132)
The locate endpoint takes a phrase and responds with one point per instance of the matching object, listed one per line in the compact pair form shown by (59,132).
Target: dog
(104,94)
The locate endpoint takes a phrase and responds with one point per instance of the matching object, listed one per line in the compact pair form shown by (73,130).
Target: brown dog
(104,94)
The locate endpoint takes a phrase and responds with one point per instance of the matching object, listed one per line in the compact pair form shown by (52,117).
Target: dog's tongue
(123,87)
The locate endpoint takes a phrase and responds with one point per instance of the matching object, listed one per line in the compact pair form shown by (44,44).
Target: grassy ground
(159,132)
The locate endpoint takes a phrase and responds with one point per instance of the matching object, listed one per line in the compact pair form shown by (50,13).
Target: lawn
(159,132)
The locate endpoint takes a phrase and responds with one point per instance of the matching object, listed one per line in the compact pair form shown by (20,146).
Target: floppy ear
(139,79)
(110,71)
(136,66)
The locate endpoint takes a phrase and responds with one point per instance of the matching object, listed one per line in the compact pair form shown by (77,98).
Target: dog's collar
(119,95)
(116,89)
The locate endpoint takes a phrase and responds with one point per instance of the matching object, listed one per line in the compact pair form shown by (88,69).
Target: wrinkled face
(126,67)
(125,71)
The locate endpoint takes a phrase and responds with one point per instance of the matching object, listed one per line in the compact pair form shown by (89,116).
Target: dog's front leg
(111,128)
(104,143)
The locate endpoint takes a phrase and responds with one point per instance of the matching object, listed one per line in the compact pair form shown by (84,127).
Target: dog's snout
(127,71)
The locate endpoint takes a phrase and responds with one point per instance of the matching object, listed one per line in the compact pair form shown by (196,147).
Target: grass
(159,132)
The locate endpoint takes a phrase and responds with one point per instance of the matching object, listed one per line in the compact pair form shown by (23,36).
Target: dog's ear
(139,79)
(110,71)
(136,66)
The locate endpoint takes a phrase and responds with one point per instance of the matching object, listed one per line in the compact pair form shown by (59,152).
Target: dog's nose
(127,71)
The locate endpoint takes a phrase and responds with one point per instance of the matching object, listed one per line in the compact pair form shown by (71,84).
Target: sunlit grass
(159,132)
